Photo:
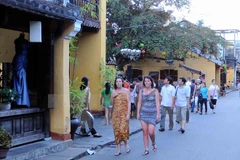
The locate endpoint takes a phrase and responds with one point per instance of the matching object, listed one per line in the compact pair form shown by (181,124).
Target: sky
(216,14)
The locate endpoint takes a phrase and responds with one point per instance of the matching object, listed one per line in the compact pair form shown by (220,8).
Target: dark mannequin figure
(19,66)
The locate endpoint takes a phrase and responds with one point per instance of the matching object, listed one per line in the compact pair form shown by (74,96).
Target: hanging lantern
(118,44)
(189,53)
(141,45)
(164,53)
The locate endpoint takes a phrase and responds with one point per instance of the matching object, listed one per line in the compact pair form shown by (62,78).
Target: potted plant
(5,143)
(77,99)
(7,96)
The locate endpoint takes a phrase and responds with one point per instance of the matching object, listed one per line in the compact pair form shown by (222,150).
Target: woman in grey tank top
(148,112)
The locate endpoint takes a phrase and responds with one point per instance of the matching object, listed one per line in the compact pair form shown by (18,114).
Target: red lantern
(118,44)
(221,68)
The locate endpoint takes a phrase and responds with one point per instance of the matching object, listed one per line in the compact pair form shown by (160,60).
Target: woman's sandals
(146,152)
(154,147)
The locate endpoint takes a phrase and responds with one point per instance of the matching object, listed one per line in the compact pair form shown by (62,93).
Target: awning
(192,70)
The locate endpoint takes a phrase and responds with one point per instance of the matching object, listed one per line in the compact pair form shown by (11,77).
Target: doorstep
(37,149)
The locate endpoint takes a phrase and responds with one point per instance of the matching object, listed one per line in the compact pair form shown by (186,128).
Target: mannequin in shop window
(19,66)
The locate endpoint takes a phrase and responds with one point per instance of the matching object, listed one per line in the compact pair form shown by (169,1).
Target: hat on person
(198,81)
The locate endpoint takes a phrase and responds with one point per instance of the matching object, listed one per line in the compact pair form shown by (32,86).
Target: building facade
(196,66)
(48,69)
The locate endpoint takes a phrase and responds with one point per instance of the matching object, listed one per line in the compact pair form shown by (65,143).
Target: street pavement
(207,137)
(81,145)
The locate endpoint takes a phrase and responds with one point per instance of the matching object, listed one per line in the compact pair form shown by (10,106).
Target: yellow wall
(60,115)
(1,74)
(199,63)
(230,75)
(91,51)
(7,46)
(218,75)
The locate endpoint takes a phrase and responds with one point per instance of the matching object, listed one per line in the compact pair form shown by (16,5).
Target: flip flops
(97,135)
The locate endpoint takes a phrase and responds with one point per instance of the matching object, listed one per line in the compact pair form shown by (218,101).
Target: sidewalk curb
(99,147)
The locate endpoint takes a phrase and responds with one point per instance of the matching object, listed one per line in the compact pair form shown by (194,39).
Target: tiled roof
(45,8)
(207,56)
(91,23)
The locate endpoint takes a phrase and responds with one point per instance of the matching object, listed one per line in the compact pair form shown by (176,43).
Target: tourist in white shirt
(213,94)
(167,98)
(188,83)
(182,103)
(133,95)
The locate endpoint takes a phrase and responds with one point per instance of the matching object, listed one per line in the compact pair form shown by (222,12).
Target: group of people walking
(119,103)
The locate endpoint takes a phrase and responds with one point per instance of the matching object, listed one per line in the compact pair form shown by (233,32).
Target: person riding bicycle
(86,115)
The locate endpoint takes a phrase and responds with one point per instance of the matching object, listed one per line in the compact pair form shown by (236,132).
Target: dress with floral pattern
(120,125)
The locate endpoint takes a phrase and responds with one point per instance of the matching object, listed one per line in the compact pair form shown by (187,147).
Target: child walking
(133,96)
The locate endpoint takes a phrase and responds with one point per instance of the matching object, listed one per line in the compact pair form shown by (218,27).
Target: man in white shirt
(167,98)
(213,91)
(182,103)
(188,83)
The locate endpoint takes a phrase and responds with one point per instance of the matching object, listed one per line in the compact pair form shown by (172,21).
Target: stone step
(38,149)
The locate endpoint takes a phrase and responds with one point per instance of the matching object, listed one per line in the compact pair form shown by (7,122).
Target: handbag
(211,105)
(143,102)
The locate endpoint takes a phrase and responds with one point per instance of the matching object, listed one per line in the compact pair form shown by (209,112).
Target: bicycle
(86,121)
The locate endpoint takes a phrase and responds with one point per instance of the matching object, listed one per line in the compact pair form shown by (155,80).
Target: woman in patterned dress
(148,112)
(120,99)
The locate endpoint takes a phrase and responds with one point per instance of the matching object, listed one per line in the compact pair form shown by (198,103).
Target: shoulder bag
(143,102)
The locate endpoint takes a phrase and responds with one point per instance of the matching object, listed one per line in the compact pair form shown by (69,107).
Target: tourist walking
(204,93)
(197,91)
(139,84)
(189,82)
(84,116)
(148,111)
(120,99)
(213,94)
(133,96)
(105,102)
(192,95)
(166,97)
(182,103)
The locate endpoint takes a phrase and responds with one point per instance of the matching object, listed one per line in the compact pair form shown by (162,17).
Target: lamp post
(133,55)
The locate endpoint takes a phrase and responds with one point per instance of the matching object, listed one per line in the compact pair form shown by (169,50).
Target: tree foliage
(139,24)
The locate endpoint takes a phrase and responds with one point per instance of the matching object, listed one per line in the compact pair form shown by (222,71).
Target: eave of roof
(192,70)
(46,8)
(91,23)
(206,56)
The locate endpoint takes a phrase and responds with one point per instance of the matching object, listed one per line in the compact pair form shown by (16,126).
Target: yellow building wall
(230,76)
(91,51)
(218,75)
(1,74)
(7,46)
(199,63)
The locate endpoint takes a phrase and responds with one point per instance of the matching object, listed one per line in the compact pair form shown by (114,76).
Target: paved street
(207,137)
